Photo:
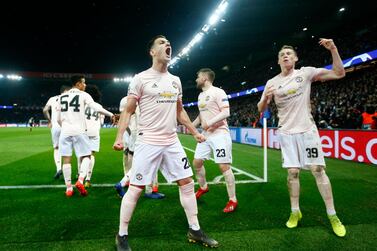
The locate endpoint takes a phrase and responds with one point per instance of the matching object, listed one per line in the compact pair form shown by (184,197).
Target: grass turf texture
(44,219)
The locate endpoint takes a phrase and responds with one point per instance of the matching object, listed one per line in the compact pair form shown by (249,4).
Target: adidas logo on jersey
(154,85)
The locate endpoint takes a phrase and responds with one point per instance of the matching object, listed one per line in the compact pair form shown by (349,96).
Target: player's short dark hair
(94,92)
(76,78)
(210,74)
(64,88)
(151,42)
(288,47)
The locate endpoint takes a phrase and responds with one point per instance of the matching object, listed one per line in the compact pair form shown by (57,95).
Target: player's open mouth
(168,50)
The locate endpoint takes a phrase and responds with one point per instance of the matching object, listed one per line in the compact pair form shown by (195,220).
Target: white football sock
(91,166)
(67,172)
(84,169)
(188,202)
(201,177)
(57,159)
(230,184)
(127,208)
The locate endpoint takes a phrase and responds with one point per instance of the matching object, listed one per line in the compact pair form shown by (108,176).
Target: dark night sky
(111,36)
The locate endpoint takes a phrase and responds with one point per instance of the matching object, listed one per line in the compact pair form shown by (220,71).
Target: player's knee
(293,174)
(198,163)
(184,181)
(320,174)
(224,167)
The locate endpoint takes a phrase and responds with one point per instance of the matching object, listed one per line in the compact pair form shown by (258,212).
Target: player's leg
(58,163)
(221,146)
(65,149)
(82,149)
(291,162)
(314,158)
(90,170)
(146,162)
(55,134)
(293,183)
(176,167)
(202,152)
(94,147)
(230,187)
(324,187)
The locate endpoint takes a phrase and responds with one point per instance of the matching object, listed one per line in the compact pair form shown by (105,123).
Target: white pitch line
(112,185)
(239,171)
(234,168)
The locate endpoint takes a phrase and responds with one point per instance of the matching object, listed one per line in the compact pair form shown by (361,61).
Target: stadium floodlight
(305,29)
(197,38)
(214,18)
(14,77)
(1,76)
(206,28)
(126,79)
(223,5)
(185,50)
(342,9)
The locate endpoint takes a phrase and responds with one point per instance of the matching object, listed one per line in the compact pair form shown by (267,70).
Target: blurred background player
(71,117)
(299,139)
(31,123)
(94,121)
(129,140)
(52,104)
(159,97)
(213,108)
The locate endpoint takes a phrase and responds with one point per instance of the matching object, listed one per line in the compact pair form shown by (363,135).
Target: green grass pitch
(44,219)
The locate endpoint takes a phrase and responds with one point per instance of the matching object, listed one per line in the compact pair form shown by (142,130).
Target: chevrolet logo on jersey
(292,91)
(167,94)
(202,105)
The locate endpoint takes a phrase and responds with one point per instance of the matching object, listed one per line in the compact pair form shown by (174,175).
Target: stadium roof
(111,36)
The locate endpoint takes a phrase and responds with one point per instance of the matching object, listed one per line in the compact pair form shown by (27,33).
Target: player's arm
(98,108)
(124,121)
(46,112)
(266,97)
(337,70)
(214,122)
(184,119)
(196,122)
(58,115)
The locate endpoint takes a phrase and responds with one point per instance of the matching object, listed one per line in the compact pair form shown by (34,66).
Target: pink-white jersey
(134,117)
(72,111)
(210,103)
(53,103)
(292,99)
(157,95)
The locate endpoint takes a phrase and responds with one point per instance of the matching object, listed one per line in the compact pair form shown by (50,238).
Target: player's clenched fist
(199,137)
(118,145)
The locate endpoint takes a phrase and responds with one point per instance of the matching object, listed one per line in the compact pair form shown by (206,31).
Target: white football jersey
(71,108)
(93,120)
(52,104)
